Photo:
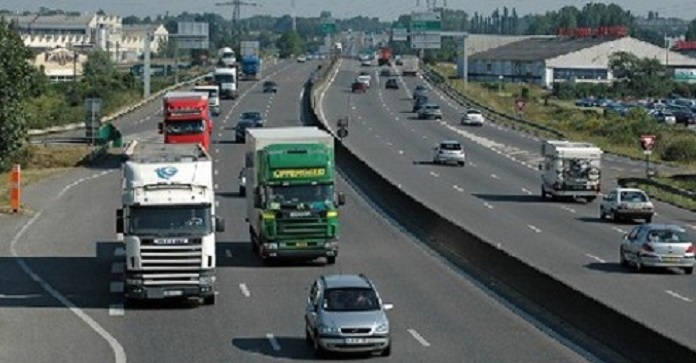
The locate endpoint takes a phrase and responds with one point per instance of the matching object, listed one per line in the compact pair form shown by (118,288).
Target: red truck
(384,56)
(187,119)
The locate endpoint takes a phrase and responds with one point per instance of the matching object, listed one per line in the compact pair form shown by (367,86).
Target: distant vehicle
(385,72)
(449,151)
(626,203)
(213,93)
(270,87)
(430,111)
(391,84)
(570,169)
(358,87)
(658,245)
(364,79)
(226,57)
(419,102)
(410,67)
(398,61)
(664,116)
(420,90)
(255,116)
(226,79)
(301,59)
(684,116)
(472,117)
(345,313)
(241,127)
(241,178)
(384,56)
(366,63)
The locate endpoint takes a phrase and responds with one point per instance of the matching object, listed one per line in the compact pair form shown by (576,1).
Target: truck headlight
(272,246)
(206,280)
(137,282)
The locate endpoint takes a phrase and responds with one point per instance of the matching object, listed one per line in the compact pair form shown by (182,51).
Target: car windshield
(633,197)
(292,195)
(450,146)
(473,112)
(212,93)
(170,221)
(224,78)
(432,107)
(185,127)
(351,299)
(251,115)
(668,236)
(245,124)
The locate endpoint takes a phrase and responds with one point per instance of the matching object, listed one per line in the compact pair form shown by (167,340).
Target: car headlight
(136,282)
(382,328)
(328,329)
(272,246)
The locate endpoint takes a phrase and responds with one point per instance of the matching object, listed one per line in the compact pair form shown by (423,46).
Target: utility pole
(146,66)
(294,16)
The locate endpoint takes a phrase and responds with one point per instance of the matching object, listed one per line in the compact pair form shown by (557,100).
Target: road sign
(520,105)
(191,35)
(425,41)
(399,34)
(328,26)
(647,142)
(425,30)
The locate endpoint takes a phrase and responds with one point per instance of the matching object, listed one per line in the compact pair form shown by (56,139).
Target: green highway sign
(328,27)
(425,30)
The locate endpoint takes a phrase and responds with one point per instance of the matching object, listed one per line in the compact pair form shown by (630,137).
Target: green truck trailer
(292,204)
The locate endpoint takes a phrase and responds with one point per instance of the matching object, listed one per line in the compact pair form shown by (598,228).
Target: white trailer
(168,222)
(410,66)
(570,170)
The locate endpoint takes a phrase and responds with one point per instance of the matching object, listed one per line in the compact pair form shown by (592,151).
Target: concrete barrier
(120,113)
(596,327)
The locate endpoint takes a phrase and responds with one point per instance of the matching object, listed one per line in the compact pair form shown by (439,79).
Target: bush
(682,149)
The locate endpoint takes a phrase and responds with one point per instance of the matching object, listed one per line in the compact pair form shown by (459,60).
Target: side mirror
(341,199)
(388,306)
(160,127)
(219,224)
(119,220)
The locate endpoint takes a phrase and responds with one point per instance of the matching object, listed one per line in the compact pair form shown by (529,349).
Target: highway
(62,300)
(497,197)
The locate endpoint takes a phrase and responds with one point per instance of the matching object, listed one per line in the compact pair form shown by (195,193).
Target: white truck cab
(213,93)
(570,170)
(226,79)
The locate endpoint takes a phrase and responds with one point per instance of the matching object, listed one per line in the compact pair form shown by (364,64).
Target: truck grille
(313,227)
(171,257)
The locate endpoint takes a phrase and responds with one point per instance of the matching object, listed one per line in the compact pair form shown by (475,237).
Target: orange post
(15,187)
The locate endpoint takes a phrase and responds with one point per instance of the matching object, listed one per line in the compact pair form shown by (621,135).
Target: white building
(61,64)
(546,61)
(132,43)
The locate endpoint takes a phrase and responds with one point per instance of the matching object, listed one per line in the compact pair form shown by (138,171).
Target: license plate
(173,293)
(356,340)
(670,259)
(301,244)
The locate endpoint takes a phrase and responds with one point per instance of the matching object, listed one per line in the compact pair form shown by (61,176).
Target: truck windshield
(185,127)
(224,78)
(170,221)
(290,195)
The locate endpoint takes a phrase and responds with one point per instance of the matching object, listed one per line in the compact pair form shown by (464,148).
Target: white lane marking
(617,229)
(228,253)
(401,152)
(119,252)
(17,297)
(458,188)
(117,267)
(473,164)
(116,310)
(418,337)
(571,210)
(692,226)
(219,134)
(116,347)
(390,144)
(245,290)
(273,341)
(595,258)
(495,176)
(434,174)
(488,205)
(526,191)
(215,186)
(217,150)
(217,203)
(680,297)
(301,94)
(116,287)
(534,228)
(216,172)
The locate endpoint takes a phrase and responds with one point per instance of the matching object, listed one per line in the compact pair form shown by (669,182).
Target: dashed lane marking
(534,228)
(116,310)
(419,338)
(245,290)
(526,191)
(595,258)
(488,205)
(434,174)
(273,341)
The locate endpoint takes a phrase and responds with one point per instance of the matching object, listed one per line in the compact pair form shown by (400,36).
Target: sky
(386,10)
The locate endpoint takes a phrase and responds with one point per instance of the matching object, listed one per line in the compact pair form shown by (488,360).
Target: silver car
(344,313)
(430,111)
(626,203)
(658,245)
(472,117)
(449,151)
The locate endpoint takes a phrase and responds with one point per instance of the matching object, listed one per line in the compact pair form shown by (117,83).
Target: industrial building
(61,64)
(544,61)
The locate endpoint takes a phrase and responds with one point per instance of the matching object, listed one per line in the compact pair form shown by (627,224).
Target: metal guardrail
(61,140)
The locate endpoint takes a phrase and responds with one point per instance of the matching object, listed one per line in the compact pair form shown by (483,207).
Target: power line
(236,9)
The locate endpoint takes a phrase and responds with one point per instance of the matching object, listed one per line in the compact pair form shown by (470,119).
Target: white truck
(226,57)
(213,93)
(410,66)
(570,170)
(226,79)
(168,222)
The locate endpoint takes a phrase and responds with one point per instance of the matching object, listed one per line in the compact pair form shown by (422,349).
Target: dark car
(241,127)
(420,90)
(683,115)
(359,87)
(254,116)
(385,72)
(391,84)
(270,87)
(419,102)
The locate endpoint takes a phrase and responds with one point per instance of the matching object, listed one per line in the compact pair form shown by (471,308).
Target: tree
(691,31)
(16,76)
(290,44)
(639,77)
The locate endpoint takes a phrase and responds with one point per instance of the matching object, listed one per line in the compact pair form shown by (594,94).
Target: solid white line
(526,191)
(117,268)
(119,251)
(595,258)
(674,294)
(116,287)
(228,253)
(488,205)
(116,310)
(14,297)
(418,337)
(245,290)
(273,341)
(495,176)
(534,228)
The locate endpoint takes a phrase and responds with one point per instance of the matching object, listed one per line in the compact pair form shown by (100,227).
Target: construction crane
(236,9)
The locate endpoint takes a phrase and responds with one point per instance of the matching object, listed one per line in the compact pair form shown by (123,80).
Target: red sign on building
(602,31)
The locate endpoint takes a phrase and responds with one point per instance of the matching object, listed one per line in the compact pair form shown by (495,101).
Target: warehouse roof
(536,49)
(53,21)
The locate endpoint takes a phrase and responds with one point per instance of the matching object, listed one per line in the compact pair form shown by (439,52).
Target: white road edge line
(418,337)
(595,258)
(534,228)
(116,347)
(674,294)
(245,290)
(273,341)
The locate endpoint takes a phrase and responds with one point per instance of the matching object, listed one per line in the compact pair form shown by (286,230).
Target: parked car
(658,245)
(270,87)
(430,111)
(665,117)
(472,117)
(449,151)
(301,59)
(391,84)
(344,313)
(684,116)
(626,203)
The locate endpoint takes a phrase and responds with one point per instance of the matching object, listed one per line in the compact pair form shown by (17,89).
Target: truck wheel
(330,260)
(209,300)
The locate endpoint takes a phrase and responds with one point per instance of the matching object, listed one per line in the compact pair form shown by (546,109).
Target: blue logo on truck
(166,172)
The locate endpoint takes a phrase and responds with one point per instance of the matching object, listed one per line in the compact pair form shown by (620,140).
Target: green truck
(292,204)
